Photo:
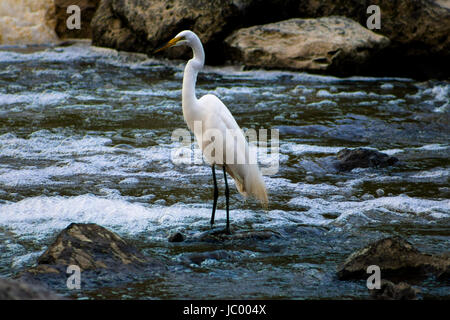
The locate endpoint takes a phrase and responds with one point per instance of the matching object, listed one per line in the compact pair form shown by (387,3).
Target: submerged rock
(199,257)
(17,290)
(100,254)
(392,291)
(221,236)
(396,258)
(349,159)
(176,237)
(331,44)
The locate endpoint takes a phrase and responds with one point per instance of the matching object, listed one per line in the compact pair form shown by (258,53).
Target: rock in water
(221,236)
(17,290)
(396,258)
(363,158)
(100,254)
(392,291)
(330,44)
(176,237)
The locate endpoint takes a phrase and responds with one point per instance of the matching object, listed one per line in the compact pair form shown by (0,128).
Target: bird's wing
(247,176)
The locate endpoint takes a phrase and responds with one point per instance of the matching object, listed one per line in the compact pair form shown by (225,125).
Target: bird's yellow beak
(169,44)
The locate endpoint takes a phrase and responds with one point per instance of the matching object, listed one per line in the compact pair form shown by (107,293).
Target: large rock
(421,26)
(396,258)
(100,254)
(419,31)
(18,290)
(141,26)
(87,10)
(332,44)
(349,159)
(27,22)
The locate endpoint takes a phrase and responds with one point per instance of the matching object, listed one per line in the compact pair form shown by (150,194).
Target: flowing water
(85,136)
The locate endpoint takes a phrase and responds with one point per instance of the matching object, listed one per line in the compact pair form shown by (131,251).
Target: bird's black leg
(216,195)
(227,197)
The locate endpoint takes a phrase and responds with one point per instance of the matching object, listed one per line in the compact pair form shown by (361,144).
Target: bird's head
(185,37)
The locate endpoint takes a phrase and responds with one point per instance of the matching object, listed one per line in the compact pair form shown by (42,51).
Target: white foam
(431,175)
(39,217)
(79,155)
(440,92)
(395,205)
(387,86)
(354,95)
(234,72)
(153,92)
(299,149)
(44,98)
(427,147)
(433,147)
(323,103)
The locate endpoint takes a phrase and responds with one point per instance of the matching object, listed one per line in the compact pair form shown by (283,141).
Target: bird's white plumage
(214,119)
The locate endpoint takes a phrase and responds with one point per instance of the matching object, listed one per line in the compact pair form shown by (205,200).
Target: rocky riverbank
(413,39)
(329,37)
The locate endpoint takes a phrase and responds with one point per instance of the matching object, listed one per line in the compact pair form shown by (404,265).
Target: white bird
(214,126)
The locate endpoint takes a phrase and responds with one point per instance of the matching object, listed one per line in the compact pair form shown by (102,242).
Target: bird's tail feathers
(255,186)
(251,185)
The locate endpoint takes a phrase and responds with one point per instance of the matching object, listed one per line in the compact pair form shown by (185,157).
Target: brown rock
(419,32)
(332,44)
(90,246)
(395,257)
(421,26)
(142,26)
(98,252)
(87,8)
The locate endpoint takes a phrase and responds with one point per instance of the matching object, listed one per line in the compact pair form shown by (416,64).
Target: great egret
(211,122)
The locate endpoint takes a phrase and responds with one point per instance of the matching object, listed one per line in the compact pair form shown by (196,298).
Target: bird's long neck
(193,66)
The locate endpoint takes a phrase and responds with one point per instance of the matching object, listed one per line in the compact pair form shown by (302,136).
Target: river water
(85,136)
